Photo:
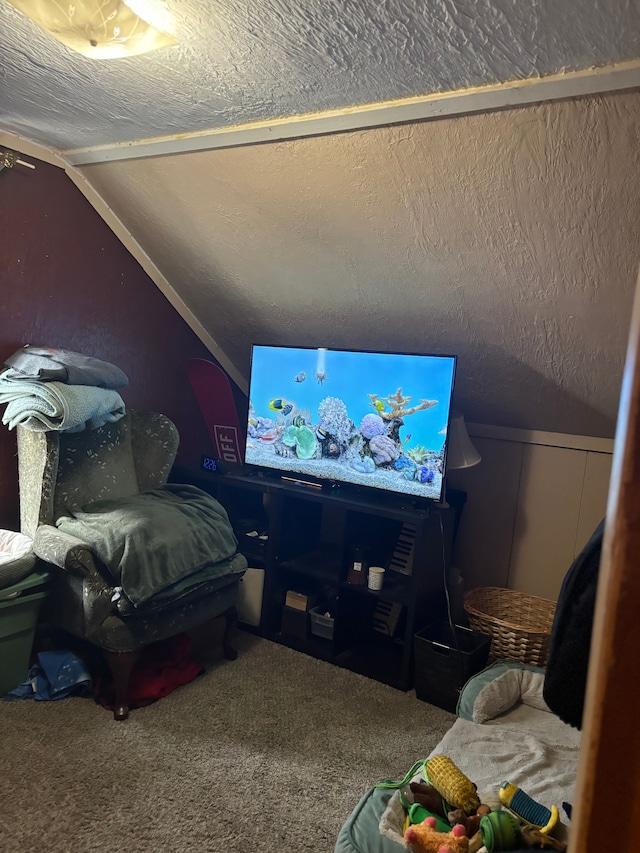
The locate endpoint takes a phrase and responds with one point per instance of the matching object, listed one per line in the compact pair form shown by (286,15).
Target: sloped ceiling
(509,237)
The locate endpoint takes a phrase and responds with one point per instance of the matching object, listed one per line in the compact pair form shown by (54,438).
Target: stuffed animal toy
(536,840)
(470,822)
(423,838)
(428,797)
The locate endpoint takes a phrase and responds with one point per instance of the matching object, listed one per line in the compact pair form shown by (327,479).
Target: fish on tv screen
(364,418)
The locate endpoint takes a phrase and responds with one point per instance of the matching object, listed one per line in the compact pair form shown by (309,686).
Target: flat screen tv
(339,416)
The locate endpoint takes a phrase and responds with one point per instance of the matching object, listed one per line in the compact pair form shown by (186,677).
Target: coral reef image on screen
(366,418)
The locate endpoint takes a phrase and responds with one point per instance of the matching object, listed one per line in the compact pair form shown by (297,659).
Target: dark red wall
(67,281)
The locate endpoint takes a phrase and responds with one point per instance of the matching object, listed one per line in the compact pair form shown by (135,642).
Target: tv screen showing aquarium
(348,416)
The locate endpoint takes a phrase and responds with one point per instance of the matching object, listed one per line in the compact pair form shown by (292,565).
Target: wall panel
(530,509)
(483,544)
(546,519)
(595,490)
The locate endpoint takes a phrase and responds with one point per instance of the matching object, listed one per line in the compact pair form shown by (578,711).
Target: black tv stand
(312,536)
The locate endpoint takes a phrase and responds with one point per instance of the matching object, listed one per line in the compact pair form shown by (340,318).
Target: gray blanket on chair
(45,406)
(152,540)
(63,365)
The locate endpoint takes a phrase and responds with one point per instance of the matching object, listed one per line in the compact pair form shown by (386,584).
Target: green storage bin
(19,608)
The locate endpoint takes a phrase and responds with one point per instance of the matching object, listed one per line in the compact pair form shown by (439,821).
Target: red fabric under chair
(161,668)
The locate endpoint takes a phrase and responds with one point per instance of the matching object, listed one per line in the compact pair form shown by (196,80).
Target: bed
(504,731)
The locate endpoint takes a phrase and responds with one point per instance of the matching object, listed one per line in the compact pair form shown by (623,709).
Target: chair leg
(121,664)
(231,619)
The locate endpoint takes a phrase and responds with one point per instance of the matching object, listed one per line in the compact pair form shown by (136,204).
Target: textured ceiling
(508,237)
(241,61)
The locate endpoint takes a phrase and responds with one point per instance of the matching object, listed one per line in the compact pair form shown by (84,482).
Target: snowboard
(213,392)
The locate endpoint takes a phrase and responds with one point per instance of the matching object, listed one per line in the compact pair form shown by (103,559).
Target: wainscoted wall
(67,281)
(532,503)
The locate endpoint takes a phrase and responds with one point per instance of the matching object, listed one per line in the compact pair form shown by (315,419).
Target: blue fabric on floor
(56,675)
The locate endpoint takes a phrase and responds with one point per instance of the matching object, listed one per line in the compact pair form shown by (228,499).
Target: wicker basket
(519,624)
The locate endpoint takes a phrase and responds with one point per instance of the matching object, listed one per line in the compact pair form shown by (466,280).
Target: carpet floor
(265,754)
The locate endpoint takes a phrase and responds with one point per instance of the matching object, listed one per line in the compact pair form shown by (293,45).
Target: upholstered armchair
(126,584)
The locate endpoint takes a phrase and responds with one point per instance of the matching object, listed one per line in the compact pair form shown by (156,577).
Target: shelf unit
(308,537)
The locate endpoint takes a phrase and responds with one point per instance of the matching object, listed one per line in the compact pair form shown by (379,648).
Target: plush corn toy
(452,784)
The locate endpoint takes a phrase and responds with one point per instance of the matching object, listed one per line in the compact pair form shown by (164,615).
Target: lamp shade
(99,29)
(461,452)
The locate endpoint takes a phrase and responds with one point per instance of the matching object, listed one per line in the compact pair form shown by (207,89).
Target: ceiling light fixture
(99,29)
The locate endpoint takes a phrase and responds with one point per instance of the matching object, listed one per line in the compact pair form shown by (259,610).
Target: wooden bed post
(607,808)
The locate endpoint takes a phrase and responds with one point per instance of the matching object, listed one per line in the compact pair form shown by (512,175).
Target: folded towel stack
(54,389)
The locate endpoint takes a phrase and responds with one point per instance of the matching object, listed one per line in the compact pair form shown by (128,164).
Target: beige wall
(509,238)
(530,508)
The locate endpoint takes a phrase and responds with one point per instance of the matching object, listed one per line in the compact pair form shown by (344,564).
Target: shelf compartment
(374,536)
(323,565)
(394,589)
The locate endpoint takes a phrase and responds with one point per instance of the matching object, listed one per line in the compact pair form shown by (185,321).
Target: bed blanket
(523,743)
(44,406)
(519,740)
(530,748)
(150,541)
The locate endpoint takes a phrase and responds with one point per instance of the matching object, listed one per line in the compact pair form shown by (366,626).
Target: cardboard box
(300,600)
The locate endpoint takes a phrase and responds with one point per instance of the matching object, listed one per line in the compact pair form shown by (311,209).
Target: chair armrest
(65,551)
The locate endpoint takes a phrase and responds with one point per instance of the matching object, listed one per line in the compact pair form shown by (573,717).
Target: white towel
(43,406)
